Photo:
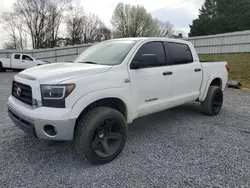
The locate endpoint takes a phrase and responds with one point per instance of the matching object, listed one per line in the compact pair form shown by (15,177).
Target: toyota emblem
(18,91)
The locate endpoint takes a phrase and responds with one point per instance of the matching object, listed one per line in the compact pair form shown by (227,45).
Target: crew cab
(92,100)
(19,62)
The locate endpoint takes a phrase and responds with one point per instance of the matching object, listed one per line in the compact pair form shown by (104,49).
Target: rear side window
(17,56)
(181,53)
(153,48)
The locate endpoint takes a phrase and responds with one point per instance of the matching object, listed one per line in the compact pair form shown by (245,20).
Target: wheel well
(216,82)
(115,103)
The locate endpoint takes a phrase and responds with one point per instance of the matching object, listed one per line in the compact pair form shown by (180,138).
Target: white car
(92,100)
(19,62)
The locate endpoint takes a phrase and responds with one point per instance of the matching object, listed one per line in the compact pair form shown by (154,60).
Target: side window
(26,57)
(17,56)
(181,53)
(155,48)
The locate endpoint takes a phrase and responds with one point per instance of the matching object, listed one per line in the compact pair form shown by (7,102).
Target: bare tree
(9,46)
(56,8)
(133,21)
(75,24)
(104,33)
(165,29)
(42,19)
(92,28)
(85,28)
(33,14)
(17,35)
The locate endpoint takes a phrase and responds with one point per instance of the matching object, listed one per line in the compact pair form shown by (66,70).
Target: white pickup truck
(19,62)
(92,100)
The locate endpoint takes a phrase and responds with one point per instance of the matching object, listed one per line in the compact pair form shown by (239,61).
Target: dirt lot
(175,148)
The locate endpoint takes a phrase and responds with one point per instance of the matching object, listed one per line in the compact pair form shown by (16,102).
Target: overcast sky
(179,12)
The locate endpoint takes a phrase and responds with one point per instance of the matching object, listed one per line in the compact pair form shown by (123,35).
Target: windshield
(106,53)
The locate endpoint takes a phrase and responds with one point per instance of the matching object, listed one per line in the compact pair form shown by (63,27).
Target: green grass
(239,66)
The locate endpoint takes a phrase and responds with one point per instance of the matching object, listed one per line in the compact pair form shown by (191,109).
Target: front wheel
(213,103)
(101,134)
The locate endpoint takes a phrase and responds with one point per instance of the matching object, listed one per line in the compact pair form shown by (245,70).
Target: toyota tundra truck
(93,99)
(19,62)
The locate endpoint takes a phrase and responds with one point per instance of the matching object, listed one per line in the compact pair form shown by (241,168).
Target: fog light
(50,130)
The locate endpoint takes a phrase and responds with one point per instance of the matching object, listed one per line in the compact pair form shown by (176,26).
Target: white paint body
(94,82)
(20,63)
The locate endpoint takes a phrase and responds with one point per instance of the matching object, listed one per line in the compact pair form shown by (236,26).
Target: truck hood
(58,72)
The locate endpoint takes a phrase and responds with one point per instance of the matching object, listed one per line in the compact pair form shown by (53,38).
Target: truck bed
(215,69)
(208,61)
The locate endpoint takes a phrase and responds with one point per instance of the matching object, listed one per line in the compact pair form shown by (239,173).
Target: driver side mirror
(145,60)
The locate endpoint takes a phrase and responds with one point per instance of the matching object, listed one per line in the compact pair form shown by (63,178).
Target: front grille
(22,92)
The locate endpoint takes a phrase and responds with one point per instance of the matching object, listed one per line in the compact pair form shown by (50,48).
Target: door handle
(167,73)
(197,70)
(23,61)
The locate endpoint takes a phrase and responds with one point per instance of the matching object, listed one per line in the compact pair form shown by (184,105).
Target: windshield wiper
(89,62)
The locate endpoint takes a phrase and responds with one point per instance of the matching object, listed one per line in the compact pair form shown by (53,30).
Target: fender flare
(91,97)
(208,83)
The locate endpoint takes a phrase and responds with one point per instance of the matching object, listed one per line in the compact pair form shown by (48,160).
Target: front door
(16,61)
(151,87)
(27,62)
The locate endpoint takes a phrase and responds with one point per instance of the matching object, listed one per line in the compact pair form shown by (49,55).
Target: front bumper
(33,121)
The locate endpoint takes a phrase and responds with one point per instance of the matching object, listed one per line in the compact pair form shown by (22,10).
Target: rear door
(187,73)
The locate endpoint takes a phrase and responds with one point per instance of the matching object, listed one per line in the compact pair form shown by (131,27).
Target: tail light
(228,68)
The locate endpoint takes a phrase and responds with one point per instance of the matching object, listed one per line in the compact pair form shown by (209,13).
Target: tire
(1,68)
(94,137)
(213,102)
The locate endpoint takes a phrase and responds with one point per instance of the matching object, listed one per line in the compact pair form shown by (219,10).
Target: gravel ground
(175,148)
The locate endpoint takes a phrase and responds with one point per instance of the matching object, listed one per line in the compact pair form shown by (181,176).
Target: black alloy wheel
(213,102)
(217,101)
(101,134)
(107,138)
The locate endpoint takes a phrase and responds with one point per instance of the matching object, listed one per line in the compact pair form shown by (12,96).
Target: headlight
(54,95)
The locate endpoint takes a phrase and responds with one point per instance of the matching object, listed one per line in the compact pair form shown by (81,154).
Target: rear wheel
(213,103)
(1,68)
(101,134)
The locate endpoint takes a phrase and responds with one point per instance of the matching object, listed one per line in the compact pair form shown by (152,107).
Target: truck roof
(153,38)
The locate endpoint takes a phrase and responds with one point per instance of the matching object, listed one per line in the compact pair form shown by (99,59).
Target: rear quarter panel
(211,71)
